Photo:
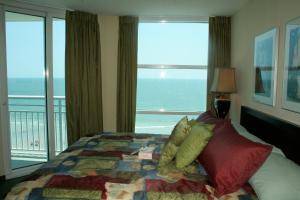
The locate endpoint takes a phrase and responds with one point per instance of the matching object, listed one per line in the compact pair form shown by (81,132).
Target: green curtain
(219,50)
(83,75)
(127,73)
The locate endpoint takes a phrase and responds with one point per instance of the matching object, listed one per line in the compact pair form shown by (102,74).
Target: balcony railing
(28,125)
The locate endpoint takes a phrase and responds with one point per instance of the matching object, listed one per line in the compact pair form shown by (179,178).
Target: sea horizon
(176,95)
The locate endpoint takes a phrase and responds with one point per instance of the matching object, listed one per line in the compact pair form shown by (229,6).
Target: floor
(8,184)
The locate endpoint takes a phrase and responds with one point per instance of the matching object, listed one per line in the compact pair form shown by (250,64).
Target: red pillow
(230,159)
(209,118)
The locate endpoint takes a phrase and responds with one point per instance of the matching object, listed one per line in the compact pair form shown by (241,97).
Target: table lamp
(223,84)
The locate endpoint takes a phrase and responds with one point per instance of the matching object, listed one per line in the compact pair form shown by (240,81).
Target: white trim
(162,66)
(173,19)
(49,86)
(4,131)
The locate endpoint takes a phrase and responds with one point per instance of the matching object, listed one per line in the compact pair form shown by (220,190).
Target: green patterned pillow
(168,153)
(193,122)
(180,131)
(193,145)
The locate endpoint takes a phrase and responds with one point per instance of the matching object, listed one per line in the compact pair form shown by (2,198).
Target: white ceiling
(188,8)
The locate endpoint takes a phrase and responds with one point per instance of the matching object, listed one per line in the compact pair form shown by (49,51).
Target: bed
(108,166)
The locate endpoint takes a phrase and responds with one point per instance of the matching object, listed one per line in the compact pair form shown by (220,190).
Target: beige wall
(109,28)
(253,19)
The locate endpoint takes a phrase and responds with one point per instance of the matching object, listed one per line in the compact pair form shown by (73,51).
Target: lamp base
(222,107)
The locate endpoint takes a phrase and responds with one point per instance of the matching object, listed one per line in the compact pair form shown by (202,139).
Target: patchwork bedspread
(106,166)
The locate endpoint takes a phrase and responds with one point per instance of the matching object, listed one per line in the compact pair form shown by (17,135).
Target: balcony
(28,129)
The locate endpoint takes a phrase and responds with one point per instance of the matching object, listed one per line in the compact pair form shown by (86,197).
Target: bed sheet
(106,166)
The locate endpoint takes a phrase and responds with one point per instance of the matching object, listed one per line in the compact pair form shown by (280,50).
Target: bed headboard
(278,132)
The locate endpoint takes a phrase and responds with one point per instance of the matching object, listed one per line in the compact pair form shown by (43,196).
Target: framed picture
(265,62)
(291,84)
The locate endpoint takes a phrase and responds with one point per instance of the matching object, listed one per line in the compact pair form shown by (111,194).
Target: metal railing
(28,125)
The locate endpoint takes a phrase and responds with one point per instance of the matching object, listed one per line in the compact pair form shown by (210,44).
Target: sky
(25,44)
(158,43)
(173,44)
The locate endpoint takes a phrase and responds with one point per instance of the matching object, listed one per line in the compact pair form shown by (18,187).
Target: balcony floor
(17,162)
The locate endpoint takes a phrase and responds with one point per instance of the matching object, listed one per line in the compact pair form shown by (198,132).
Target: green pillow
(193,122)
(168,153)
(180,131)
(193,145)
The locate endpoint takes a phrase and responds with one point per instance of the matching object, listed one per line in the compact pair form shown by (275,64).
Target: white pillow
(242,131)
(277,179)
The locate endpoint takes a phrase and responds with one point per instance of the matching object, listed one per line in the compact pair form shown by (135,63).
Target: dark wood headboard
(278,132)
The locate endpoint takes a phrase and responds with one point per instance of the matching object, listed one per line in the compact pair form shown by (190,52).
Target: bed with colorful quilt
(203,159)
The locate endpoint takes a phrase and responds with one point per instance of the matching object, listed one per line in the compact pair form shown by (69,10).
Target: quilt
(107,167)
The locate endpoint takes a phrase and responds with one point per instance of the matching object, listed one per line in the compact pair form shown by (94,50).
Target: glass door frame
(48,14)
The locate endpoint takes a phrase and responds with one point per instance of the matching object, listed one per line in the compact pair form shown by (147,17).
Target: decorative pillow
(180,131)
(209,118)
(278,178)
(230,159)
(168,153)
(193,122)
(193,144)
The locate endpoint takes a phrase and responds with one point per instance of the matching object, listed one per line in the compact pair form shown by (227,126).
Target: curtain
(127,73)
(83,75)
(219,49)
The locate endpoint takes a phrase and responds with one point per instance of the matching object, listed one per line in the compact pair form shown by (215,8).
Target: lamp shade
(224,80)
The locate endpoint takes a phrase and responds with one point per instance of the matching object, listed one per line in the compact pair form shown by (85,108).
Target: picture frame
(265,67)
(291,80)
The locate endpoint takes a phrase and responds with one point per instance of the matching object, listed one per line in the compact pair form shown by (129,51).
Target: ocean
(28,111)
(178,95)
(152,94)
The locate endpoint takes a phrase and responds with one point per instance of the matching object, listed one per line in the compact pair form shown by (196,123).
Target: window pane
(59,84)
(173,43)
(171,90)
(177,87)
(157,124)
(25,49)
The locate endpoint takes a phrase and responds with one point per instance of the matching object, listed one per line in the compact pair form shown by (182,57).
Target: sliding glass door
(25,55)
(32,89)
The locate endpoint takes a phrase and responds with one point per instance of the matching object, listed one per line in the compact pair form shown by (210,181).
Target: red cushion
(230,159)
(209,118)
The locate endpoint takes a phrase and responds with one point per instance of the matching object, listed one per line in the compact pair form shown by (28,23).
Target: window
(33,43)
(172,73)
